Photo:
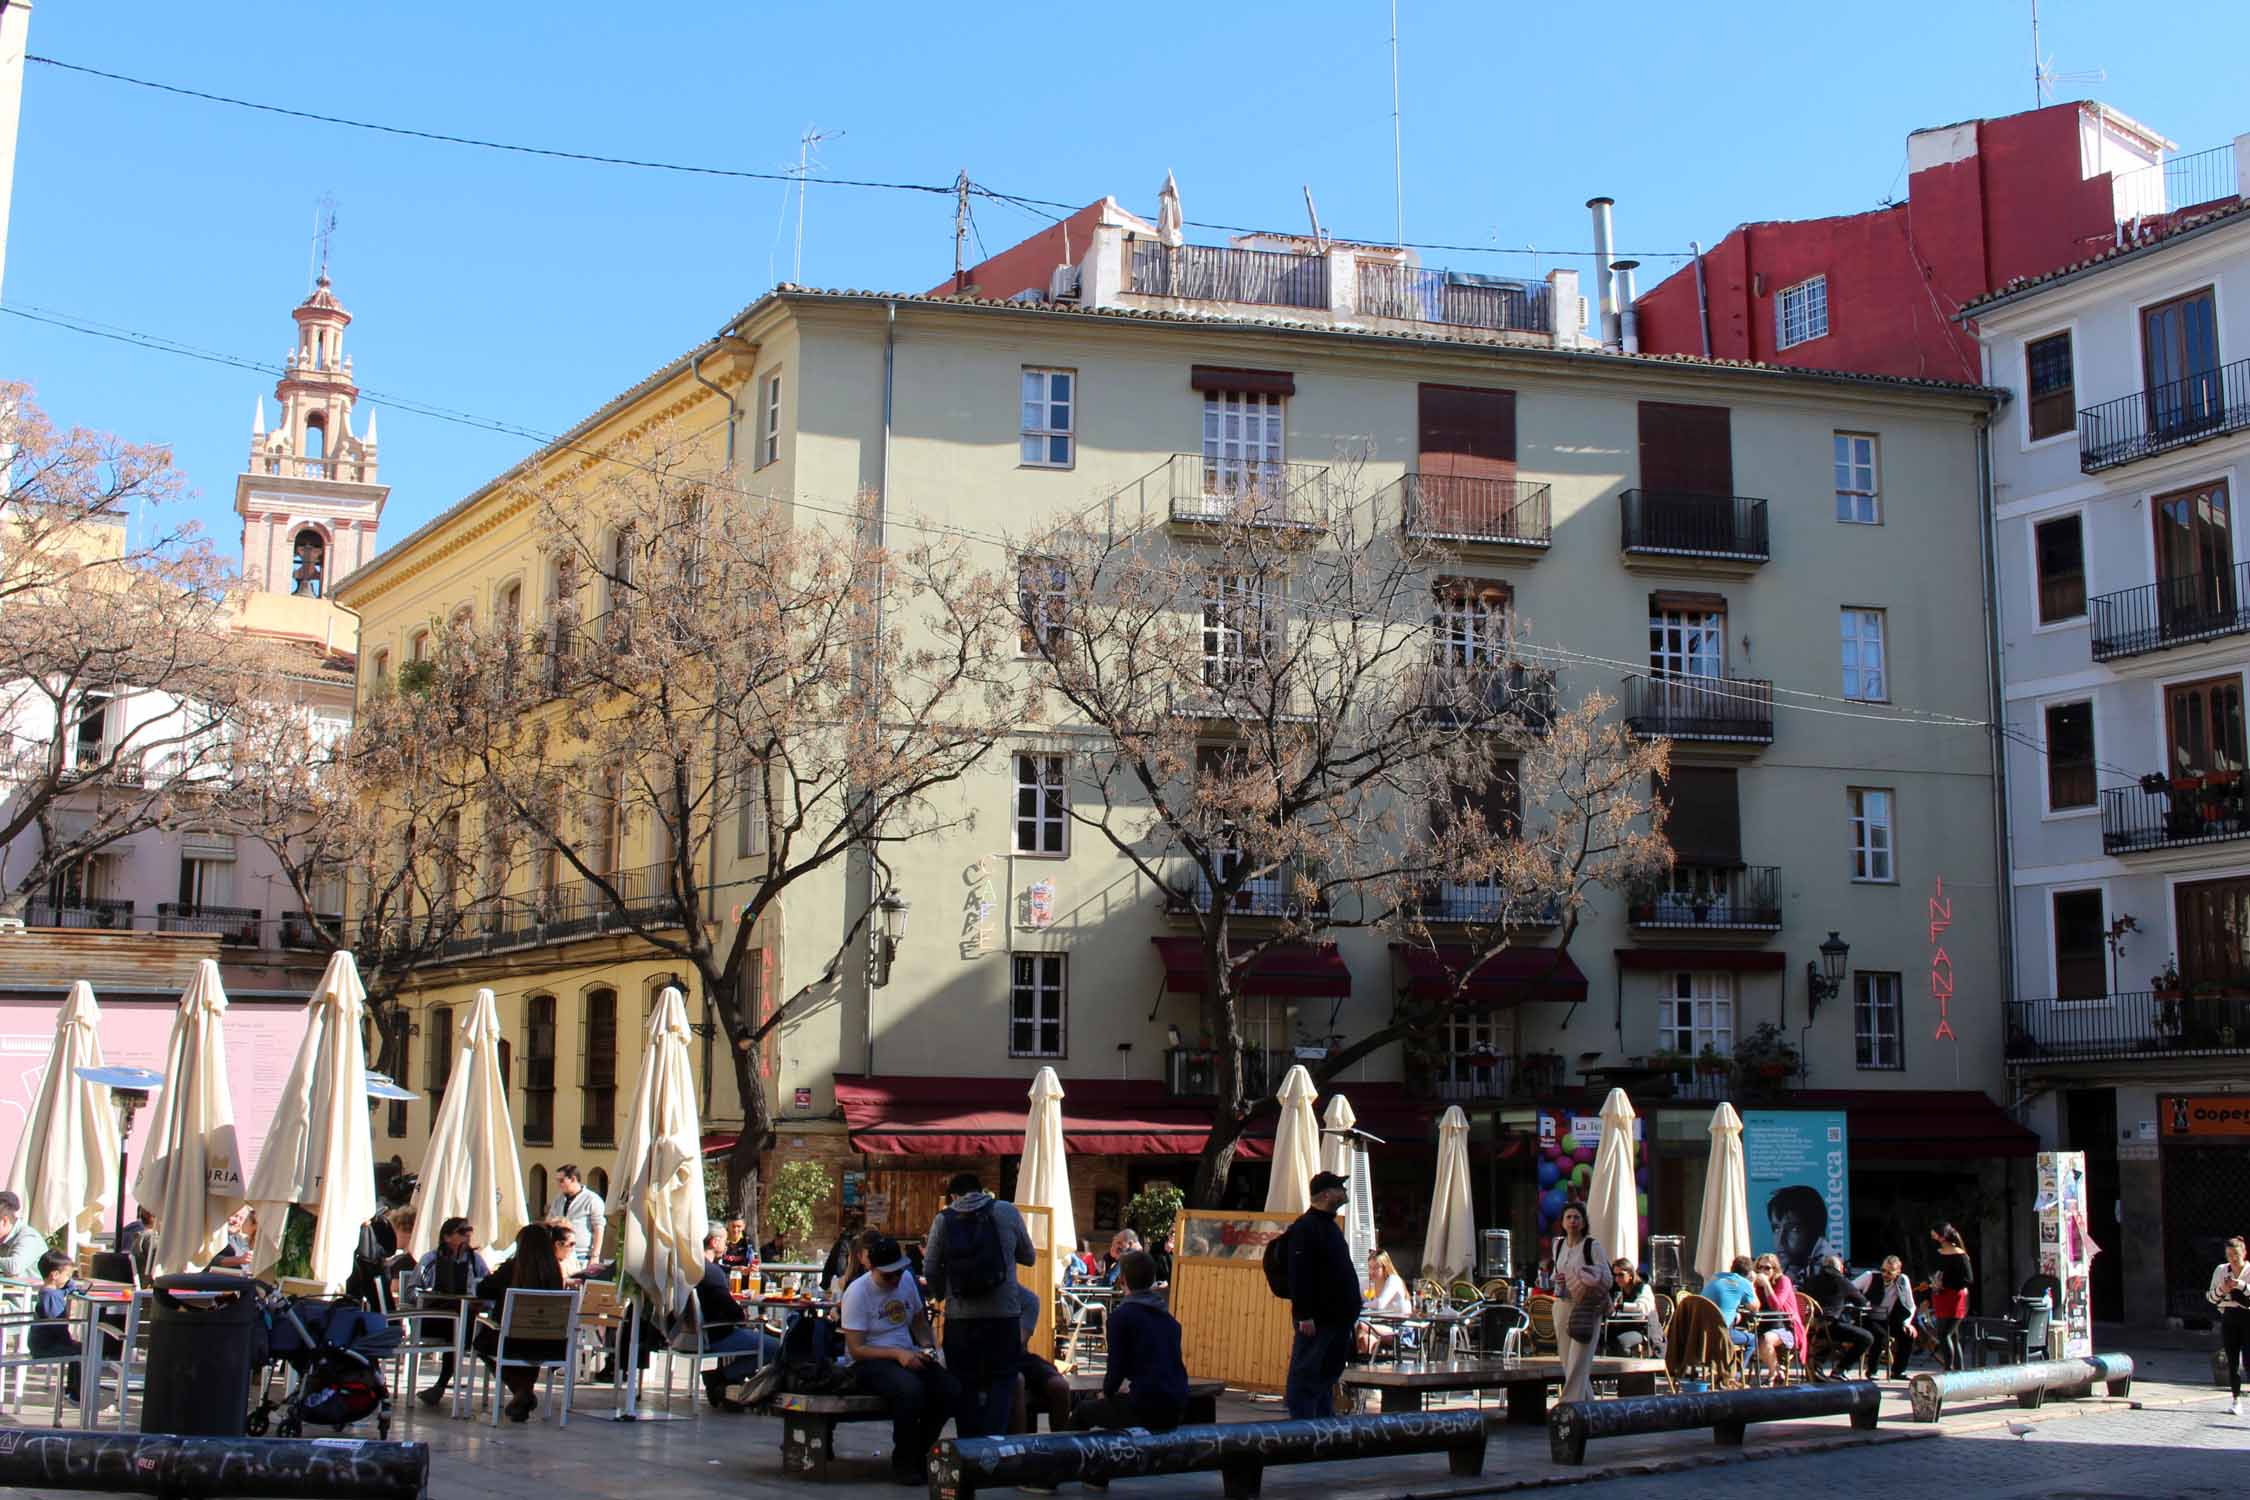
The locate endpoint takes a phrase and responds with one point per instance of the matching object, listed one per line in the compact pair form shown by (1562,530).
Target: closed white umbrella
(1336,1122)
(1724,1232)
(1296,1146)
(66,1157)
(1044,1181)
(658,1179)
(1170,224)
(1613,1205)
(471,1170)
(317,1155)
(191,1169)
(1450,1248)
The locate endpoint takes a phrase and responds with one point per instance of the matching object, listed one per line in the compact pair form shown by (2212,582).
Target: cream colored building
(1778,568)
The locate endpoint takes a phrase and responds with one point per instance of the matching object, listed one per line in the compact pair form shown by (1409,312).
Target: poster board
(1798,1170)
(1232,1327)
(2066,1250)
(1043,1276)
(1567,1147)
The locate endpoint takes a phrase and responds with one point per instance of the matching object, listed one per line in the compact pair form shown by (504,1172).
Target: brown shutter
(1705,822)
(1467,433)
(1250,382)
(1686,603)
(1686,449)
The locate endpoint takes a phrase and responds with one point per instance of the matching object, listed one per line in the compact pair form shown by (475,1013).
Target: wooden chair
(305,1286)
(1539,1310)
(1499,1291)
(525,1316)
(1696,1344)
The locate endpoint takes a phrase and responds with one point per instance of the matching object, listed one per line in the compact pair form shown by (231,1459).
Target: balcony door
(1686,450)
(2214,934)
(2180,357)
(2203,722)
(2194,559)
(1467,442)
(1703,821)
(2080,932)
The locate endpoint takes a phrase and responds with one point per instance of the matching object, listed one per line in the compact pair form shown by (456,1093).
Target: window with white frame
(1872,849)
(749,810)
(1801,312)
(1865,679)
(1238,626)
(1042,592)
(1477,1045)
(1469,624)
(1050,405)
(1695,1011)
(1856,495)
(1878,1029)
(1042,805)
(1241,445)
(1687,642)
(769,419)
(1036,996)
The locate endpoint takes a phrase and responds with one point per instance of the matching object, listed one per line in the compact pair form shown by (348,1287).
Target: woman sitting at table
(1633,1326)
(1777,1295)
(1387,1294)
(532,1268)
(453,1269)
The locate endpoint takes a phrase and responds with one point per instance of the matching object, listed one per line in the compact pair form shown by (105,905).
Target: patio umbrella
(471,1170)
(1450,1248)
(191,1168)
(67,1154)
(1044,1178)
(1296,1146)
(1725,1230)
(1613,1209)
(1336,1122)
(317,1155)
(658,1179)
(1170,226)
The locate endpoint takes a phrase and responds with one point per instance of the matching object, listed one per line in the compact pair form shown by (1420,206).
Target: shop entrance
(2091,1120)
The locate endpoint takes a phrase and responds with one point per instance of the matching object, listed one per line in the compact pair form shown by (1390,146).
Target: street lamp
(891,910)
(1825,978)
(130,1087)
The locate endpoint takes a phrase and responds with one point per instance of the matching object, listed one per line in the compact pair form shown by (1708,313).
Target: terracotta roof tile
(2152,240)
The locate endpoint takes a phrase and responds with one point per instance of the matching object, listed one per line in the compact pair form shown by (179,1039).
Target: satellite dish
(381,1087)
(137,1080)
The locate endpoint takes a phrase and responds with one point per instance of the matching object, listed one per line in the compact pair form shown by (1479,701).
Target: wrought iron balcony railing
(1684,525)
(1194,1072)
(1454,508)
(2130,1025)
(1738,709)
(2170,612)
(1497,696)
(231,924)
(98,912)
(1199,489)
(1218,273)
(2168,814)
(2205,405)
(1475,903)
(1738,898)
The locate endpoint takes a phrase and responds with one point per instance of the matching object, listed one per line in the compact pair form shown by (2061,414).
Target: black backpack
(975,1265)
(1276,1263)
(809,1351)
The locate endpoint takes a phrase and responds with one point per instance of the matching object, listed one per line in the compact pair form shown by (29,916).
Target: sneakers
(432,1397)
(2234,1407)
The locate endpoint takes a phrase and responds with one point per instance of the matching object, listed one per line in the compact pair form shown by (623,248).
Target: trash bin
(206,1341)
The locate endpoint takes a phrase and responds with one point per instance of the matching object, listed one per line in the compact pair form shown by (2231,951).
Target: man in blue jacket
(1323,1297)
(1146,1383)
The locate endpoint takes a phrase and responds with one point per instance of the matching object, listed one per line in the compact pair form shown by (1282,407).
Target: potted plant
(1671,1060)
(2166,981)
(1712,1063)
(1765,1059)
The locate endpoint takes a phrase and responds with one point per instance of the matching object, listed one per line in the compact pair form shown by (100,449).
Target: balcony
(1479,904)
(1668,530)
(1714,710)
(1706,898)
(1193,1072)
(2128,1026)
(1195,491)
(96,912)
(1454,298)
(1269,895)
(2177,414)
(2172,612)
(91,760)
(1507,514)
(303,930)
(1503,695)
(231,924)
(1215,273)
(1486,1076)
(560,913)
(2183,812)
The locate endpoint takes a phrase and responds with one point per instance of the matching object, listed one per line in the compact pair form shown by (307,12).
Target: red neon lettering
(1941,963)
(1941,910)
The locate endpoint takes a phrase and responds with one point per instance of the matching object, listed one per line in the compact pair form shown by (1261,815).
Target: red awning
(1913,1125)
(1734,960)
(1296,970)
(1506,978)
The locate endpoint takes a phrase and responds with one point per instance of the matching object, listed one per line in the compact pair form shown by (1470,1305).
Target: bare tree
(1280,710)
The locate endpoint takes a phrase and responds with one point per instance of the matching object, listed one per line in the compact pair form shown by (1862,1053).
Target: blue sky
(528,291)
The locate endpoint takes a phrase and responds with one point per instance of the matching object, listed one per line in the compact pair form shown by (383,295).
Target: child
(51,1333)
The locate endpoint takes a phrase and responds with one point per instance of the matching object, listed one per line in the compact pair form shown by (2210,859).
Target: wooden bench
(808,1428)
(961,1468)
(1404,1387)
(1202,1401)
(1726,1413)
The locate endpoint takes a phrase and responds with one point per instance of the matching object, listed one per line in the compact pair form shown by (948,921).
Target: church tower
(309,500)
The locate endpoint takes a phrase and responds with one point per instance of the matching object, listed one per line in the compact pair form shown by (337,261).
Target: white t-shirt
(883,1318)
(1391,1296)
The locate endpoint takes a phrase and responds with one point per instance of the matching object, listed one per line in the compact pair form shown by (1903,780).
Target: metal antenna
(961,230)
(1398,170)
(2043,74)
(324,230)
(806,160)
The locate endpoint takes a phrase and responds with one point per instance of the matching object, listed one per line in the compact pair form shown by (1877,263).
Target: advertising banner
(2066,1250)
(1799,1171)
(1568,1145)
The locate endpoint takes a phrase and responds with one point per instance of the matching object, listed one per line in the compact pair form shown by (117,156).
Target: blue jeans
(1316,1360)
(919,1401)
(756,1345)
(984,1355)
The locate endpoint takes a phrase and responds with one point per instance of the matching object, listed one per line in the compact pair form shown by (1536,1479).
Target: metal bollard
(192,1468)
(2030,1384)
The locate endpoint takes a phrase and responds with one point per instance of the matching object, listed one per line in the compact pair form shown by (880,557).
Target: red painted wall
(1031,263)
(1898,275)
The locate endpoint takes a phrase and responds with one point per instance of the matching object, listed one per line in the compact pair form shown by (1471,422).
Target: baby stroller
(334,1349)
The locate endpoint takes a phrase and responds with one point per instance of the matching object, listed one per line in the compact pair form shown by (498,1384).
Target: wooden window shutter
(1686,449)
(1250,382)
(1705,815)
(1664,601)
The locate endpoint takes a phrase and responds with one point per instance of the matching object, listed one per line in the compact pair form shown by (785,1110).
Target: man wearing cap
(887,1332)
(1324,1299)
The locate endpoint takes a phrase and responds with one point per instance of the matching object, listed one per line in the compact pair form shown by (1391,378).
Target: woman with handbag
(1583,1282)
(2230,1294)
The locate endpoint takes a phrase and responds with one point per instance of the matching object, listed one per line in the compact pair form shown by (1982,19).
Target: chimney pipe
(1629,322)
(1608,280)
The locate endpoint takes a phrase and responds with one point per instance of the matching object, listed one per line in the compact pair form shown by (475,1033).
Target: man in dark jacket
(1324,1299)
(1848,1342)
(983,1340)
(1146,1383)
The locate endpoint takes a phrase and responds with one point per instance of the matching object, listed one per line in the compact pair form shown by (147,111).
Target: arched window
(464,620)
(539,1073)
(308,573)
(597,1070)
(382,666)
(617,587)
(598,1180)
(535,1192)
(505,1058)
(508,610)
(316,438)
(438,1052)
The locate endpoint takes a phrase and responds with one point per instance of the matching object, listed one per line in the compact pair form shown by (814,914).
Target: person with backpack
(1322,1285)
(969,1260)
(887,1332)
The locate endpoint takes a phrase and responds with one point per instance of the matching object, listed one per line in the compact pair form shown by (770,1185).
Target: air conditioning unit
(1063,285)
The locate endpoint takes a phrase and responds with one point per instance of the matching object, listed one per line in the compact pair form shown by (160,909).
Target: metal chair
(692,1344)
(417,1323)
(16,1355)
(525,1316)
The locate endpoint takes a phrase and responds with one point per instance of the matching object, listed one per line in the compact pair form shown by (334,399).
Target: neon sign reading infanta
(1941,965)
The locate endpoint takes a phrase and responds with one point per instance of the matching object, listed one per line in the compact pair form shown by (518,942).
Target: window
(1050,397)
(2070,756)
(1477,1046)
(750,810)
(2203,721)
(2180,360)
(1042,593)
(1801,313)
(2081,935)
(2214,930)
(308,563)
(1042,805)
(1686,641)
(1241,448)
(539,1070)
(439,1054)
(2195,573)
(92,729)
(1696,1011)
(1878,1032)
(608,824)
(1238,627)
(597,1070)
(1856,499)
(510,608)
(1035,1006)
(535,1185)
(1469,624)
(769,419)
(382,673)
(448,853)
(418,646)
(1864,677)
(2059,551)
(206,881)
(1871,834)
(402,1058)
(2052,407)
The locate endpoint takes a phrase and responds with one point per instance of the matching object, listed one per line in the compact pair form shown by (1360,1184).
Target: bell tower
(309,499)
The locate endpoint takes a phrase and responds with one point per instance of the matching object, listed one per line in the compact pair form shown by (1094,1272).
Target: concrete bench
(808,1428)
(1239,1452)
(2031,1384)
(195,1467)
(1404,1387)
(1726,1413)
(1085,1386)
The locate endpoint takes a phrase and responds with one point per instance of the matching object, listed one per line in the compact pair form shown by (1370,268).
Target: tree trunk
(757,1134)
(1217,1160)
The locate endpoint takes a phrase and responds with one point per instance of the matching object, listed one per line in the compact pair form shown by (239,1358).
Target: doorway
(2090,1125)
